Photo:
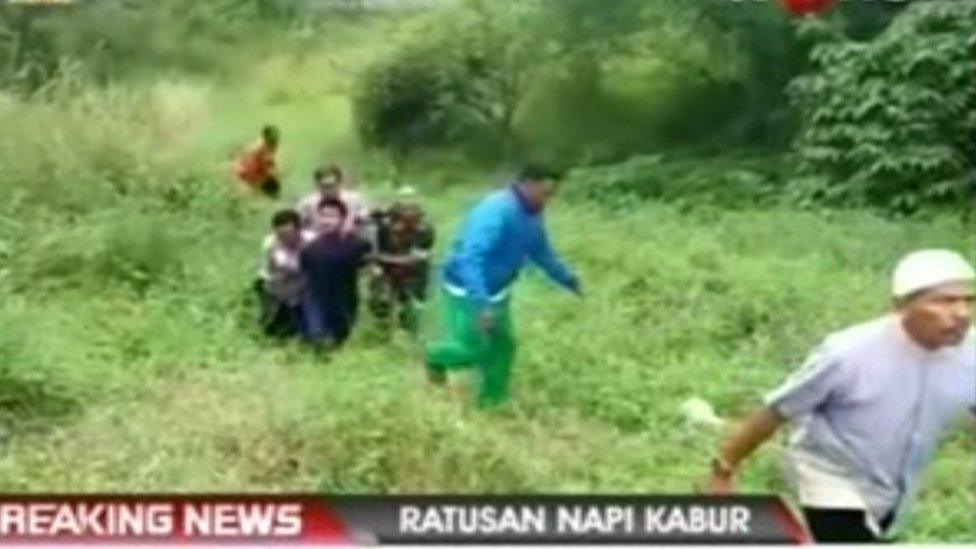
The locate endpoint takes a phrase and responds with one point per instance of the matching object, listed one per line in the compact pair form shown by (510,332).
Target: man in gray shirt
(870,404)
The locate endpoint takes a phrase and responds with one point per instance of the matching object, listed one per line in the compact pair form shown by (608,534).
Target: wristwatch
(722,467)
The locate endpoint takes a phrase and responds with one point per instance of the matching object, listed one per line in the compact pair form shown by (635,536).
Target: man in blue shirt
(501,233)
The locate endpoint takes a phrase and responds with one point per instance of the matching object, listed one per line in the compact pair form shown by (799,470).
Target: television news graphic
(806,7)
(367,520)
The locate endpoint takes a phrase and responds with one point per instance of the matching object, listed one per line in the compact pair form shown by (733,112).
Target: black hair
(286,217)
(334,203)
(539,172)
(333,169)
(270,129)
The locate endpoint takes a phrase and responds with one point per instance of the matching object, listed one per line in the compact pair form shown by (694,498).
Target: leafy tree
(400,104)
(463,72)
(892,121)
(865,20)
(494,54)
(766,40)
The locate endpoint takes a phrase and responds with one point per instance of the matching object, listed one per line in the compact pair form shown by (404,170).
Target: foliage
(399,104)
(772,54)
(865,20)
(595,81)
(462,72)
(689,183)
(891,122)
(103,36)
(26,397)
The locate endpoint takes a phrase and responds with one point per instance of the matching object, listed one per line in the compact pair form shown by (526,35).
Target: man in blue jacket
(498,236)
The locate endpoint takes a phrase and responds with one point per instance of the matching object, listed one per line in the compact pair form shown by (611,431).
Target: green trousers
(465,346)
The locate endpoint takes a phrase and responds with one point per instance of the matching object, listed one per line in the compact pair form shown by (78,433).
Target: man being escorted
(871,403)
(330,264)
(499,235)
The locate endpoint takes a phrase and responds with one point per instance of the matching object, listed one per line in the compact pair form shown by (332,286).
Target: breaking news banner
(366,520)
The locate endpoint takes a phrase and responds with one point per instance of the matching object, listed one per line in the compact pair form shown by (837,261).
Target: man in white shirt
(871,403)
(330,183)
(280,283)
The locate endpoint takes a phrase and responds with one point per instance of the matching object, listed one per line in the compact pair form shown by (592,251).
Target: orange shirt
(256,165)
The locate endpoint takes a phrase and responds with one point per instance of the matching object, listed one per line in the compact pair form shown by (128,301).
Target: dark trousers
(841,526)
(328,319)
(400,289)
(271,187)
(277,319)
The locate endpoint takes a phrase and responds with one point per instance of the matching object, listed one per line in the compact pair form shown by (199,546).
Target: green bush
(459,76)
(689,182)
(400,104)
(891,122)
(580,79)
(28,397)
(81,149)
(95,183)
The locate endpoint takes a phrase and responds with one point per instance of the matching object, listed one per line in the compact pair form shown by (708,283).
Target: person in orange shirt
(256,167)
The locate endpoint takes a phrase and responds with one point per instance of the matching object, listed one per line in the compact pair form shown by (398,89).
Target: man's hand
(419,255)
(722,480)
(397,260)
(574,286)
(741,443)
(486,321)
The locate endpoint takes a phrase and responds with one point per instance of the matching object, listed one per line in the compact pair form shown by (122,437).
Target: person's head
(407,216)
(329,180)
(331,216)
(538,184)
(287,227)
(271,136)
(934,294)
(407,209)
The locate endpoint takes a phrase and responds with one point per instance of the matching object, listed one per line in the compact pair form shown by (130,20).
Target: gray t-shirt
(873,404)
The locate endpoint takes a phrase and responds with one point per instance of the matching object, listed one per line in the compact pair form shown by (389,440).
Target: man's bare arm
(752,432)
(748,435)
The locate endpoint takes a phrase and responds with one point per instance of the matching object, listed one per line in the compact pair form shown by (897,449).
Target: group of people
(869,405)
(308,281)
(311,263)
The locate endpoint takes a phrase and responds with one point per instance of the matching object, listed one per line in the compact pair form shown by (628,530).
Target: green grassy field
(129,360)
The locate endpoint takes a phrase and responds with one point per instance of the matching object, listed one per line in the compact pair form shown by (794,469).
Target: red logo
(806,7)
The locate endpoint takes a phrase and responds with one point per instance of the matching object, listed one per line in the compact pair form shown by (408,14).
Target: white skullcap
(926,269)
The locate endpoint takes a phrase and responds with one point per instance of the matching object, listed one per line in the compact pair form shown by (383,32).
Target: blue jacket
(498,236)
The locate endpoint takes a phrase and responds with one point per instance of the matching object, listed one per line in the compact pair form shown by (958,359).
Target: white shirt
(280,269)
(356,204)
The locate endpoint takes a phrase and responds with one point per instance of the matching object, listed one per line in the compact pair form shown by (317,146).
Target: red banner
(205,520)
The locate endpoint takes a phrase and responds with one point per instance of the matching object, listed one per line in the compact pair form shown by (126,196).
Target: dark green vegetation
(128,360)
